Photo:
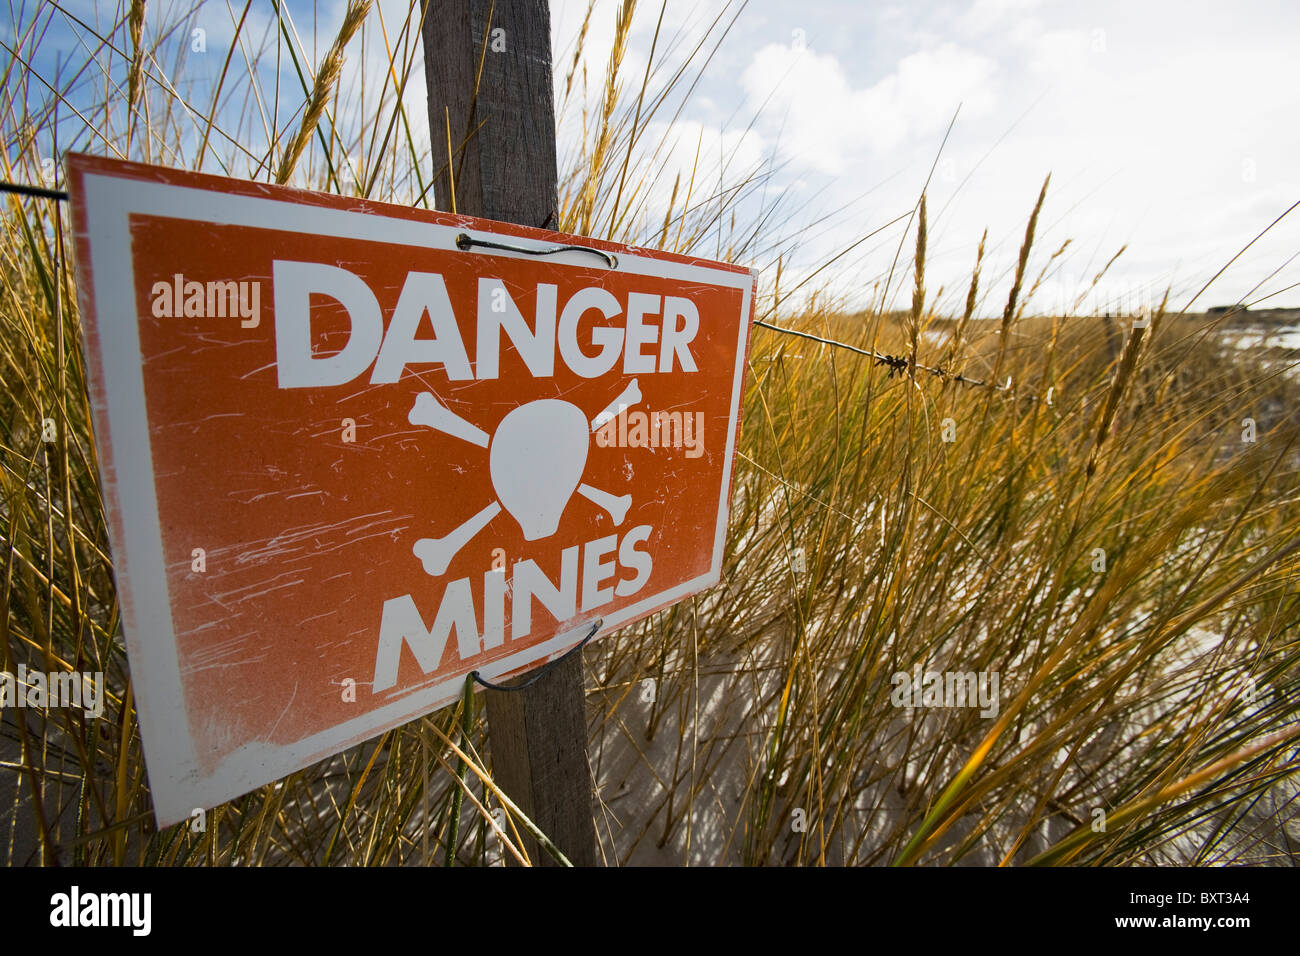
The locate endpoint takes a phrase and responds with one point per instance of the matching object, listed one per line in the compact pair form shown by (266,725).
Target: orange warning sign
(353,451)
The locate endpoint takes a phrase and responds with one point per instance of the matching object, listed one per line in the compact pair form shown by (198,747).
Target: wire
(544,670)
(38,191)
(896,363)
(465,242)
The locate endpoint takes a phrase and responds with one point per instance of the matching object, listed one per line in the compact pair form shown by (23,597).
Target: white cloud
(828,125)
(689,148)
(987,15)
(1171,132)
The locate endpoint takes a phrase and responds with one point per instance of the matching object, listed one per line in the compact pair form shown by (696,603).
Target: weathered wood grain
(503,151)
(503,139)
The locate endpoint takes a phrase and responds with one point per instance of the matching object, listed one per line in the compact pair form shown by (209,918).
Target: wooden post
(506,168)
(506,171)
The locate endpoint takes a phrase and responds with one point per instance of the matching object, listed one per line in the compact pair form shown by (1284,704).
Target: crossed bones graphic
(539,450)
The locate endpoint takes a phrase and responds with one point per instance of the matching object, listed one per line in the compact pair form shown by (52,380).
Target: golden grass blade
(326,77)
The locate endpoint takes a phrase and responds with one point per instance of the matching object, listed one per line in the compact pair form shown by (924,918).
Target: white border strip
(176,781)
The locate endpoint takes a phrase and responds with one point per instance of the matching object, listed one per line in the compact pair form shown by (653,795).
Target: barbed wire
(897,364)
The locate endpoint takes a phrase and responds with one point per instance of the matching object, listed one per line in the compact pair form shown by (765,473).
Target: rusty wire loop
(545,668)
(465,242)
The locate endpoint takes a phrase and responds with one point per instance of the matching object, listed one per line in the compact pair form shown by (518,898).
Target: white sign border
(177,783)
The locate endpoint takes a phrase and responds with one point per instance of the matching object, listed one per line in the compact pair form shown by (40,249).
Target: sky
(1168,128)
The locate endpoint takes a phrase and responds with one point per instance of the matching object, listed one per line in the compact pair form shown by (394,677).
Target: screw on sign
(576,413)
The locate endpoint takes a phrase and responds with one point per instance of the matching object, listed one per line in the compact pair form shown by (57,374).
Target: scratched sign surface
(351,453)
